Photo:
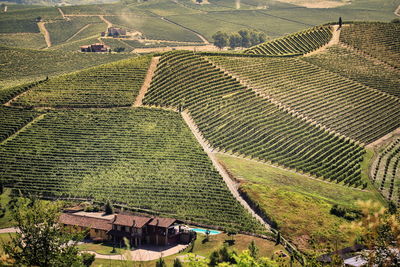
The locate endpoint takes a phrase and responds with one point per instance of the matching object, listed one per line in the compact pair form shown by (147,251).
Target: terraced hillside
(110,85)
(146,159)
(347,107)
(386,171)
(297,43)
(359,68)
(380,40)
(234,119)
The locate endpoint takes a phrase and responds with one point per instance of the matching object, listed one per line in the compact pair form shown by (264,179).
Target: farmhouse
(98,47)
(137,229)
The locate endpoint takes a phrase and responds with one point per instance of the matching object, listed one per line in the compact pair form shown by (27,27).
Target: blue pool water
(203,231)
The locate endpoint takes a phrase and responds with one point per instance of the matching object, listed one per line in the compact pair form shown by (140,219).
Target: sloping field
(359,68)
(233,118)
(380,40)
(110,85)
(62,30)
(146,159)
(386,171)
(297,43)
(350,108)
(17,64)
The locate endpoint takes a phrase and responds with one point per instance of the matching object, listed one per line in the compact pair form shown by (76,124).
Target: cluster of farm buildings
(99,47)
(137,229)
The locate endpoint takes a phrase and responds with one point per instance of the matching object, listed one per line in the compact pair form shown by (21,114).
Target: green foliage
(41,240)
(114,84)
(346,213)
(297,43)
(177,263)
(161,263)
(319,95)
(144,158)
(23,40)
(108,208)
(87,258)
(253,250)
(220,39)
(221,108)
(380,40)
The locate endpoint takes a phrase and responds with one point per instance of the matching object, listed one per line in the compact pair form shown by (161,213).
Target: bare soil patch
(317,3)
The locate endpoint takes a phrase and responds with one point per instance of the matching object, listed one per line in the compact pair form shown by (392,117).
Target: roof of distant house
(130,220)
(162,222)
(85,221)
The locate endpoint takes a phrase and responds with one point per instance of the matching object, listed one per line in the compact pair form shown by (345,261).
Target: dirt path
(8,230)
(62,14)
(383,139)
(229,182)
(147,81)
(197,48)
(109,24)
(397,11)
(334,41)
(75,34)
(45,33)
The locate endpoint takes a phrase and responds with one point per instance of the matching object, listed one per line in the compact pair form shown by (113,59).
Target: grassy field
(287,196)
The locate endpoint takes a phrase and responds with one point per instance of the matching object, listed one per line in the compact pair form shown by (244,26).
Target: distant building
(98,47)
(116,32)
(137,229)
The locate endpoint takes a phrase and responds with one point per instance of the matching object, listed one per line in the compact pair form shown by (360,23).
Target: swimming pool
(203,231)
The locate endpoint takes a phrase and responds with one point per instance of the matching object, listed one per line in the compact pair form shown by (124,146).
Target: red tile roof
(162,222)
(130,220)
(85,221)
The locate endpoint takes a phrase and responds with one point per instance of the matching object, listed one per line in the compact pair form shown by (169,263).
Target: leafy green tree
(253,250)
(161,263)
(177,263)
(235,40)
(108,208)
(245,34)
(41,240)
(221,39)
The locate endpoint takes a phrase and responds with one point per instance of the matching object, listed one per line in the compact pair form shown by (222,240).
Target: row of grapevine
(144,158)
(110,85)
(357,67)
(386,171)
(297,43)
(234,119)
(348,107)
(378,39)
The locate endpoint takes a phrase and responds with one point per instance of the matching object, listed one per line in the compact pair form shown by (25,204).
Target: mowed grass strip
(143,158)
(111,85)
(300,206)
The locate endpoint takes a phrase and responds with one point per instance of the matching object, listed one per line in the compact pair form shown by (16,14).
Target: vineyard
(143,158)
(350,108)
(297,43)
(380,40)
(356,67)
(60,31)
(234,119)
(110,85)
(386,171)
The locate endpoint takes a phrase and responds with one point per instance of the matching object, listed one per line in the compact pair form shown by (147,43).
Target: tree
(161,263)
(177,263)
(253,249)
(379,231)
(220,39)
(278,239)
(108,208)
(41,241)
(245,34)
(235,40)
(340,22)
